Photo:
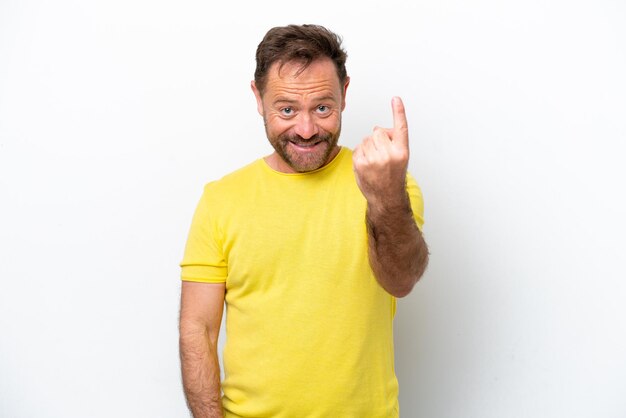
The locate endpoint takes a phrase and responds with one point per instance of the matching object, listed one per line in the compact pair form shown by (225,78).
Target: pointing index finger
(400,125)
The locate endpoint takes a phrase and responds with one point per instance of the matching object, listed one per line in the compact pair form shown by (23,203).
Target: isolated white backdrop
(113,114)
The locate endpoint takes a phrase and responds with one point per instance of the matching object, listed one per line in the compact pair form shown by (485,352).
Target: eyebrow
(316,99)
(283,100)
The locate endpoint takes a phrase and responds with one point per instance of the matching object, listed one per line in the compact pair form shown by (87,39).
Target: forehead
(289,77)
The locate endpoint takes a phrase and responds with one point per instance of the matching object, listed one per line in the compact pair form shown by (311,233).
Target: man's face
(302,114)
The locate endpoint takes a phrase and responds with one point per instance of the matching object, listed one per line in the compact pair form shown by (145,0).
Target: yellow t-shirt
(308,327)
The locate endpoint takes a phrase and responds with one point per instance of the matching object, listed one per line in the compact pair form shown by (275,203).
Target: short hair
(303,43)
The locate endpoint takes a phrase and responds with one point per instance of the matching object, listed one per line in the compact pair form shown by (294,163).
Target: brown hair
(304,43)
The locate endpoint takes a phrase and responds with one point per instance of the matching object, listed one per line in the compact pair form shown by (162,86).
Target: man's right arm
(202,305)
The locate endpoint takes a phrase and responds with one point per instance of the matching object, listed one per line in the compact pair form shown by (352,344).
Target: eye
(323,109)
(286,111)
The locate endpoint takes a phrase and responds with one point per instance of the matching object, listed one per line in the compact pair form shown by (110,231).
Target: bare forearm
(397,251)
(201,373)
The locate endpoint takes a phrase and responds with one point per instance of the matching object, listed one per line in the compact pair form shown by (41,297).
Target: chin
(302,163)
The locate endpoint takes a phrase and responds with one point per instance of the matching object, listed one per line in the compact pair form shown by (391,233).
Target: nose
(305,126)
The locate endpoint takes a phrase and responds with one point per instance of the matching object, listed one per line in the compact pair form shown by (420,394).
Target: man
(308,247)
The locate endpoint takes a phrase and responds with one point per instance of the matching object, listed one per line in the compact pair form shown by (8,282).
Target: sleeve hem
(204,279)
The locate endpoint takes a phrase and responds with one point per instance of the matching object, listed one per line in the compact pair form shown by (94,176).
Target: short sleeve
(417,201)
(204,260)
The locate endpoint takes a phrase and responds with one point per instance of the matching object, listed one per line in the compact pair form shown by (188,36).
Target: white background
(113,115)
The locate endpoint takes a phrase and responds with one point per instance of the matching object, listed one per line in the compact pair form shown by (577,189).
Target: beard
(321,145)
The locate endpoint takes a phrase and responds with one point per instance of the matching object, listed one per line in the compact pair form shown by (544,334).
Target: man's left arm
(398,253)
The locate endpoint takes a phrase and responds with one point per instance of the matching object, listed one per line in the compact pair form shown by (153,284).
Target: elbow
(402,288)
(401,291)
(192,333)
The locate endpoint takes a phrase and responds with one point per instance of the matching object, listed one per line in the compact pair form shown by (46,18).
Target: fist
(380,161)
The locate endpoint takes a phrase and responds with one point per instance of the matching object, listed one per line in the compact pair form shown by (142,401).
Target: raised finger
(400,125)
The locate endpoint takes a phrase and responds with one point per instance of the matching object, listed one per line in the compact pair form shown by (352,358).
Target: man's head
(303,44)
(300,85)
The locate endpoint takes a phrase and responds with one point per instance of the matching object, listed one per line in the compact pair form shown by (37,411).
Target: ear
(259,99)
(345,89)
